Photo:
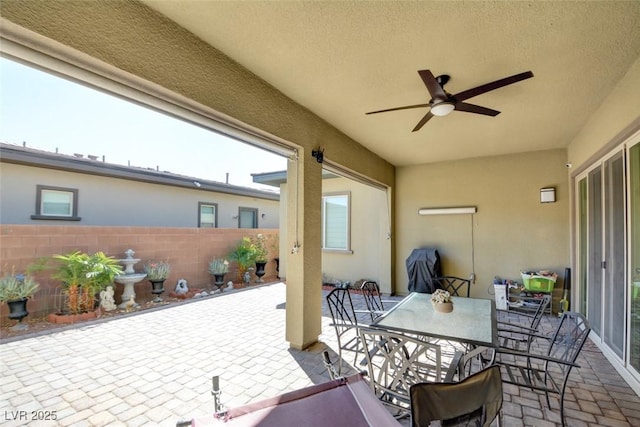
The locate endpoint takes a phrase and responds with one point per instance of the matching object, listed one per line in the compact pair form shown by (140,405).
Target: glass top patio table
(472,321)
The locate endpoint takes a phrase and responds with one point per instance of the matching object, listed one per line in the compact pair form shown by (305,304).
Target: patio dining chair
(547,372)
(518,329)
(474,401)
(456,286)
(373,299)
(395,362)
(345,323)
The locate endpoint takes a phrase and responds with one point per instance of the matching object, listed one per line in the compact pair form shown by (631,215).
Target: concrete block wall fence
(188,251)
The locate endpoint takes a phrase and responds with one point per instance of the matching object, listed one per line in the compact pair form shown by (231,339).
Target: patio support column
(304,253)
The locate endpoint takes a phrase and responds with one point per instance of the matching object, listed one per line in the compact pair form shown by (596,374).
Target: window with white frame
(56,203)
(335,222)
(207,215)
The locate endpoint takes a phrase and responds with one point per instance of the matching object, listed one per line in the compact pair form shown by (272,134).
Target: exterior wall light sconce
(318,154)
(448,211)
(548,195)
(263,215)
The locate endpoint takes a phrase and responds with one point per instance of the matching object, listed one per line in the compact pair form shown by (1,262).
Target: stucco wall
(188,251)
(120,202)
(371,249)
(511,230)
(619,110)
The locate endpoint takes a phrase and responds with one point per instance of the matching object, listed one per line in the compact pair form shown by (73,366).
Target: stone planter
(157,288)
(18,311)
(219,281)
(260,265)
(72,318)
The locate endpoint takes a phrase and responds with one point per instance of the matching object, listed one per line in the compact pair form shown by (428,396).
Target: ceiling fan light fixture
(442,108)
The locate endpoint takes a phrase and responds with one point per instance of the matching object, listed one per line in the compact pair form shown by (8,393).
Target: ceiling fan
(443,103)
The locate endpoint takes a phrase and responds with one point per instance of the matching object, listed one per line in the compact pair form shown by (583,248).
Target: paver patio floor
(155,368)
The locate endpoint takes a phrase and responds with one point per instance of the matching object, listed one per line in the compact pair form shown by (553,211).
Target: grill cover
(423,265)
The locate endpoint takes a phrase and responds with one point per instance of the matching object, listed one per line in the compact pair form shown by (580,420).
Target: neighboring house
(40,187)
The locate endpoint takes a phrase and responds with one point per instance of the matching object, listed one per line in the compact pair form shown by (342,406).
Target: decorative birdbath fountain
(128,279)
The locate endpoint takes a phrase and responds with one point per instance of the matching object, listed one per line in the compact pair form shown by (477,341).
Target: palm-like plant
(83,276)
(244,255)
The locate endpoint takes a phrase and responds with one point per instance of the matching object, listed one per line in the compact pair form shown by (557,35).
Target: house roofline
(280,177)
(32,157)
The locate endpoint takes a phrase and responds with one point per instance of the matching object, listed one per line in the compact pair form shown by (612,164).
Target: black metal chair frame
(373,299)
(454,285)
(548,372)
(519,336)
(345,323)
(476,399)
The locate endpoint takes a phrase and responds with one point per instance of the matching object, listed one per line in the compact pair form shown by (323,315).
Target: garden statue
(181,287)
(247,277)
(107,302)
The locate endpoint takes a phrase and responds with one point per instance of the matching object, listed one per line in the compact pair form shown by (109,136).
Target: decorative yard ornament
(181,287)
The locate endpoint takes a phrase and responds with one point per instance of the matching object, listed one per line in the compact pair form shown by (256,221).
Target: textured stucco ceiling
(343,59)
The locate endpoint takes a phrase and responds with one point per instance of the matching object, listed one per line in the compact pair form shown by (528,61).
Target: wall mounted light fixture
(448,211)
(548,195)
(318,154)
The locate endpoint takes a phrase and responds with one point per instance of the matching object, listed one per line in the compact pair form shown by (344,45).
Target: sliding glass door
(634,256)
(603,196)
(614,262)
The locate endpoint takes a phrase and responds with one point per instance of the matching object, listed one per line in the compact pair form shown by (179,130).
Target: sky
(50,113)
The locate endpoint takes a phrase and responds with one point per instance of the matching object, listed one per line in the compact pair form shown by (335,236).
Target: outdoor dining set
(420,364)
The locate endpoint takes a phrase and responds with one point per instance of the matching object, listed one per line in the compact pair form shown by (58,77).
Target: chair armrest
(534,356)
(520,313)
(526,332)
(370,311)
(514,325)
(517,328)
(347,326)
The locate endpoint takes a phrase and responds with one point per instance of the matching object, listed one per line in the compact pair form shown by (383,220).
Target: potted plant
(15,290)
(441,301)
(83,276)
(244,255)
(157,272)
(218,267)
(260,243)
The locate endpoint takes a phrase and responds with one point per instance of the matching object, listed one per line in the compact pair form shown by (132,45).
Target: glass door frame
(579,300)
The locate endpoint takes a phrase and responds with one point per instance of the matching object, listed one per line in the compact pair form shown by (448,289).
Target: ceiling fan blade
(399,108)
(422,121)
(471,108)
(470,93)
(434,88)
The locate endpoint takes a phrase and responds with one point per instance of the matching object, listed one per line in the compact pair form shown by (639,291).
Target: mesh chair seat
(474,401)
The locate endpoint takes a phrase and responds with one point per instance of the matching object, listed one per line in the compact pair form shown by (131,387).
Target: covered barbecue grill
(423,265)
